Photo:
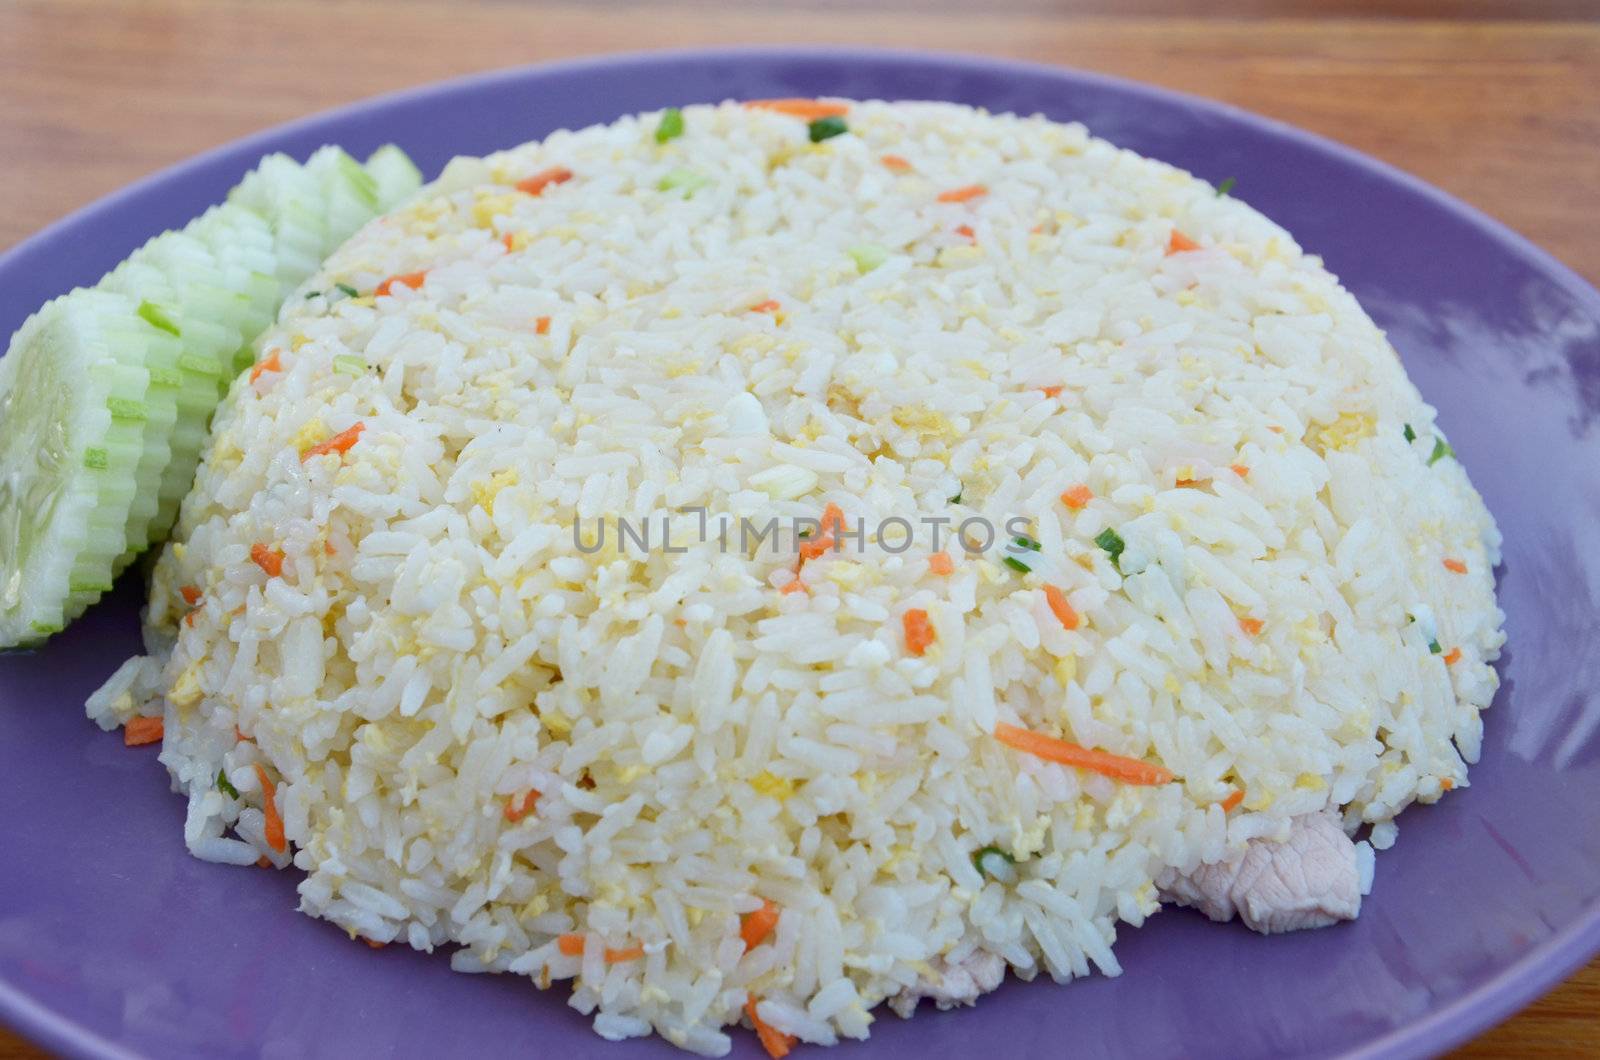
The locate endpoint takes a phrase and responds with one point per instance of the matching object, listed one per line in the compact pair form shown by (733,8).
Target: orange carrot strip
(627,953)
(1274,428)
(413,280)
(1452,656)
(1117,767)
(188,619)
(1251,626)
(963,194)
(755,927)
(519,806)
(775,1042)
(541,180)
(1052,391)
(374,943)
(895,162)
(190,594)
(509,239)
(941,563)
(769,306)
(1232,800)
(140,731)
(570,945)
(541,326)
(832,519)
(1177,243)
(1059,606)
(794,585)
(1455,565)
(919,634)
(269,363)
(339,443)
(263,862)
(1445,783)
(809,109)
(966,230)
(1240,470)
(269,807)
(1077,496)
(268,559)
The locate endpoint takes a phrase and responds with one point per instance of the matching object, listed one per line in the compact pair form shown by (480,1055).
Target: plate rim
(1500,996)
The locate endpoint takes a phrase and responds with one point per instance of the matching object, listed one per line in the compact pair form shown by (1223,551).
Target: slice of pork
(1308,880)
(952,983)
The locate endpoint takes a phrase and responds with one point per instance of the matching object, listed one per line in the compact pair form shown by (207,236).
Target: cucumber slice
(398,179)
(73,410)
(349,194)
(288,198)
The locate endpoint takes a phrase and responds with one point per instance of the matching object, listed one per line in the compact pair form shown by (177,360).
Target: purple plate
(113,941)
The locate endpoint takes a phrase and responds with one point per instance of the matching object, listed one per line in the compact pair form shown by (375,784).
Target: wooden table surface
(1504,114)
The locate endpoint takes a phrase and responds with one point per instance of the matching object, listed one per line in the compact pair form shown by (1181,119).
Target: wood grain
(1502,113)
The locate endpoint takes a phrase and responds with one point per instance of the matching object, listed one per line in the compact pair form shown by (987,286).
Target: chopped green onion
(995,864)
(670,127)
(1441,449)
(1225,187)
(1112,542)
(1024,541)
(98,459)
(347,289)
(868,256)
(1433,646)
(312,294)
(685,180)
(827,128)
(226,788)
(805,534)
(350,364)
(1017,565)
(156,316)
(1411,435)
(957,498)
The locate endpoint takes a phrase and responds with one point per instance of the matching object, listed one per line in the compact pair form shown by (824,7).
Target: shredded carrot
(269,560)
(541,180)
(1240,470)
(269,363)
(1251,626)
(1059,606)
(1455,565)
(809,109)
(1052,391)
(1232,800)
(919,633)
(775,1042)
(793,585)
(269,807)
(1445,783)
(755,927)
(963,194)
(328,549)
(263,862)
(627,953)
(413,280)
(769,306)
(190,594)
(140,731)
(541,326)
(1274,428)
(570,945)
(832,520)
(339,443)
(966,230)
(1177,243)
(188,619)
(509,239)
(374,943)
(895,162)
(238,735)
(1452,656)
(941,563)
(1077,496)
(1117,767)
(519,806)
